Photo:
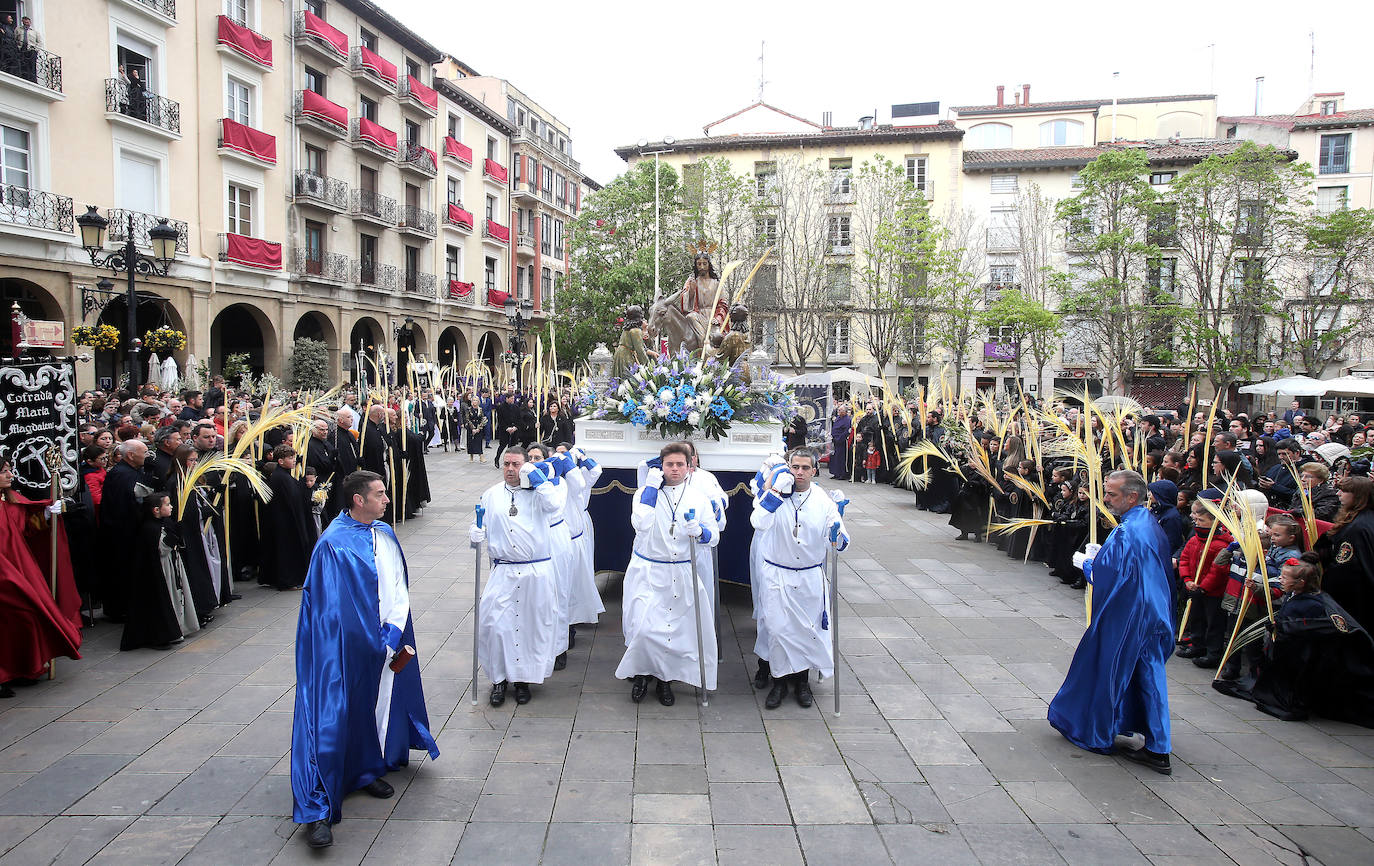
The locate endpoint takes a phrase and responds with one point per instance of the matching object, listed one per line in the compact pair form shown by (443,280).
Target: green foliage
(308,366)
(1331,287)
(952,260)
(1036,327)
(235,367)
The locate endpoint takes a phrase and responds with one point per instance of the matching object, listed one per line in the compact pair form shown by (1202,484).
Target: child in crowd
(872,460)
(1204,582)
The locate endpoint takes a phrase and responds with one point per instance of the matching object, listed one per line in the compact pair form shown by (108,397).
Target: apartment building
(324,180)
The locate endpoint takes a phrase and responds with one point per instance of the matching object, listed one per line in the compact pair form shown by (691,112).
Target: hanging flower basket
(163,340)
(102,337)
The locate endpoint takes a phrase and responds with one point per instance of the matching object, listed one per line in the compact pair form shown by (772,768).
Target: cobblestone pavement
(942,753)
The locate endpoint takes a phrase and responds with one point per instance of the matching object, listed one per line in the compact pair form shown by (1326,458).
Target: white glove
(56,508)
(782,485)
(477,534)
(654,478)
(693,528)
(578,454)
(525,475)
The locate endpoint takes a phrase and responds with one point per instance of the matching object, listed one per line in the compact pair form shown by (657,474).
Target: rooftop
(835,135)
(1073,104)
(1337,120)
(1157,152)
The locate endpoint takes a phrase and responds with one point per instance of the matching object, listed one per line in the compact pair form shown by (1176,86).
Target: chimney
(1001,95)
(827,119)
(1017,96)
(1025,94)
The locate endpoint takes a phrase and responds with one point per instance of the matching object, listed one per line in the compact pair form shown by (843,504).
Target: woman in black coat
(474,421)
(288,534)
(554,426)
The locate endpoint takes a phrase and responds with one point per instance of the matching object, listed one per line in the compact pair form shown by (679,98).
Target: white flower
(703,400)
(665,394)
(662,412)
(694,418)
(624,389)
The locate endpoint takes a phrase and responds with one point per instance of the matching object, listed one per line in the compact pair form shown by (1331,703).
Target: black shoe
(6,692)
(379,788)
(963,536)
(560,661)
(1208,661)
(318,834)
(802,685)
(665,693)
(572,636)
(234,596)
(764,674)
(498,693)
(206,620)
(522,693)
(776,694)
(1080,584)
(639,689)
(1231,670)
(1146,758)
(1189,652)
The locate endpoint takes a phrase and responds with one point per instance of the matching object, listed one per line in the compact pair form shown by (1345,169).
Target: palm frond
(227,466)
(1019,523)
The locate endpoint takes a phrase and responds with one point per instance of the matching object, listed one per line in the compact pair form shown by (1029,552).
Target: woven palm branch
(1309,516)
(227,466)
(1036,490)
(1019,523)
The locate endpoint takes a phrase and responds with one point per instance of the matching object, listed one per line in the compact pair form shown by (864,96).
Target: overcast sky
(619,72)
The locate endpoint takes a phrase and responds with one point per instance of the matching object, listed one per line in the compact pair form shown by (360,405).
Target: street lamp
(129,260)
(515,315)
(668,142)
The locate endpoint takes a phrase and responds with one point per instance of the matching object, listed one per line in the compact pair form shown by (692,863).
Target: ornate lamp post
(129,261)
(515,315)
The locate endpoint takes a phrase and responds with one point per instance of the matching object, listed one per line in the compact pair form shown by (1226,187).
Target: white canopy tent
(1293,386)
(1349,386)
(828,378)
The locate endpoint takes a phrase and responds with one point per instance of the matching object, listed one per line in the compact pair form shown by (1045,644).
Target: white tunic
(518,636)
(661,610)
(792,582)
(706,483)
(393,608)
(584,600)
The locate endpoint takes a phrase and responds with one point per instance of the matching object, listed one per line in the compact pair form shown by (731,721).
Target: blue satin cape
(1116,682)
(339,659)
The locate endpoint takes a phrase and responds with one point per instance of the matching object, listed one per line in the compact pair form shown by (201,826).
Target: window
(545,240)
(412,196)
(367,39)
(314,247)
(1160,178)
(413,70)
(493,149)
(765,334)
(766,180)
(1332,198)
(1002,275)
(315,81)
(367,259)
(916,171)
(491,207)
(989,135)
(1162,228)
(1060,132)
(1333,155)
(15,166)
(1160,275)
(412,255)
(534,123)
(533,165)
(237,11)
(546,181)
(1323,275)
(1250,223)
(367,179)
(238,101)
(766,229)
(455,191)
(412,132)
(315,160)
(1076,181)
(1004,183)
(367,108)
(837,338)
(510,109)
(453,269)
(841,177)
(137,186)
(240,210)
(1328,107)
(315,7)
(489,273)
(1247,276)
(765,287)
(545,284)
(558,238)
(560,188)
(455,127)
(839,234)
(837,288)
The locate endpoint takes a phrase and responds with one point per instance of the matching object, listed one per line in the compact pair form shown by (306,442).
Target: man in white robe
(584,602)
(794,521)
(562,550)
(772,465)
(518,622)
(662,607)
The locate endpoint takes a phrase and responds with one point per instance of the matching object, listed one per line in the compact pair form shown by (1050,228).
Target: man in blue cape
(360,707)
(1116,683)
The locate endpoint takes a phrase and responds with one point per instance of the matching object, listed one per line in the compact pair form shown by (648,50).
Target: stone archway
(153,311)
(315,325)
(411,346)
(242,328)
(490,347)
(34,301)
(453,350)
(363,340)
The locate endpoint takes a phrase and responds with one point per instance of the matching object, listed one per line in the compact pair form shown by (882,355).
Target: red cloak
(37,627)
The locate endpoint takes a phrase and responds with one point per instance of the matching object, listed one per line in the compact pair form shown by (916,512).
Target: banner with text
(38,412)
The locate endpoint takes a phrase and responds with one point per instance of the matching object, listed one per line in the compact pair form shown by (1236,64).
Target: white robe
(706,484)
(518,624)
(393,608)
(584,601)
(661,609)
(793,583)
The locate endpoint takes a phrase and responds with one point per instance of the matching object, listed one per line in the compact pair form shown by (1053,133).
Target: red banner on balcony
(459,289)
(494,169)
(252,252)
(318,107)
(427,95)
(254,46)
(316,26)
(456,149)
(433,157)
(459,216)
(498,231)
(377,134)
(247,140)
(374,61)
(496,297)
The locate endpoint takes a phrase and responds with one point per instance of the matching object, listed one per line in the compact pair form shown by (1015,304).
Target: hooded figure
(1164,495)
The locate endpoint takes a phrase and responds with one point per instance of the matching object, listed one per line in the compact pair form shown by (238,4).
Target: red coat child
(873,460)
(1198,564)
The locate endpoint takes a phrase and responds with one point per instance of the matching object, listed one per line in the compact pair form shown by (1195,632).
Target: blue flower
(639,419)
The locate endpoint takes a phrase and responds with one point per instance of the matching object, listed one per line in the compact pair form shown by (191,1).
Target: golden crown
(703,246)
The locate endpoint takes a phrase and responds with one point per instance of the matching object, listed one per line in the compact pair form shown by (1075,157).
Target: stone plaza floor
(941,755)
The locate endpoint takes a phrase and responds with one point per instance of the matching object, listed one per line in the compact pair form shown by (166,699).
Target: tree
(889,224)
(1330,288)
(954,260)
(1105,233)
(308,366)
(611,246)
(806,235)
(722,207)
(1034,326)
(1234,218)
(1036,229)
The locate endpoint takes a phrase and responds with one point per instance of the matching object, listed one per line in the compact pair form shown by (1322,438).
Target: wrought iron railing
(38,67)
(412,155)
(35,208)
(328,191)
(164,7)
(418,283)
(379,277)
(119,228)
(367,203)
(419,219)
(325,265)
(303,33)
(141,105)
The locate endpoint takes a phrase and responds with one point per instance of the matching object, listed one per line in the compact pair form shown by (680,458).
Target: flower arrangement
(102,337)
(163,340)
(683,395)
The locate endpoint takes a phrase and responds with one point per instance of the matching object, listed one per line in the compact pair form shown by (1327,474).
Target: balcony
(524,244)
(142,110)
(417,283)
(523,136)
(371,136)
(494,171)
(370,68)
(249,252)
(373,207)
(457,218)
(319,38)
(315,265)
(326,193)
(39,74)
(418,221)
(246,144)
(495,232)
(142,222)
(35,209)
(376,277)
(457,151)
(315,112)
(413,93)
(236,38)
(524,191)
(165,11)
(418,159)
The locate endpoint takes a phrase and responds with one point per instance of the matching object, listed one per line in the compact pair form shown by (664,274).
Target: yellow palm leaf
(227,466)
